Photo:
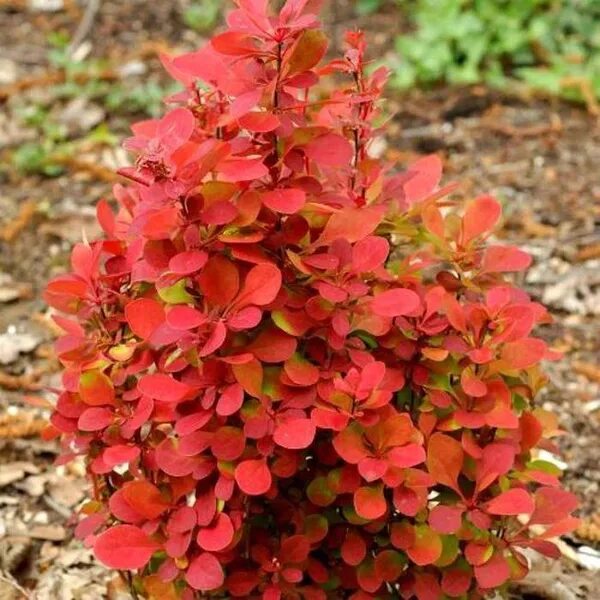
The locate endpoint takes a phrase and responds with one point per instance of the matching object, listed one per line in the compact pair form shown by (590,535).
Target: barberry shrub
(295,372)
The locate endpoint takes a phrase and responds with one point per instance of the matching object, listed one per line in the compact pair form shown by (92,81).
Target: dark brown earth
(539,156)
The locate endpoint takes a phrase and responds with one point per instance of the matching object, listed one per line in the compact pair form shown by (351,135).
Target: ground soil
(539,156)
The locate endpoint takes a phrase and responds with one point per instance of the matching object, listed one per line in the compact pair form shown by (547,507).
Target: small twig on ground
(28,382)
(588,253)
(584,85)
(588,370)
(85,25)
(14,584)
(555,126)
(60,509)
(11,230)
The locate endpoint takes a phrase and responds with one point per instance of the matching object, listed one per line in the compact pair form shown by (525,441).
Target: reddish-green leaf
(389,565)
(300,371)
(96,388)
(353,548)
(427,546)
(369,502)
(308,51)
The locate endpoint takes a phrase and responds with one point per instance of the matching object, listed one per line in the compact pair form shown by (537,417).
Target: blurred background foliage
(547,46)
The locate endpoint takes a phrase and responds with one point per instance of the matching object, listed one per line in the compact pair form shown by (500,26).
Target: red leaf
(523,353)
(218,535)
(395,303)
(493,573)
(295,434)
(369,254)
(219,280)
(259,122)
(219,213)
(250,376)
(369,502)
(185,317)
(502,259)
(286,201)
(261,286)
(241,583)
(273,346)
(253,477)
(144,316)
(160,386)
(350,445)
(350,224)
(120,454)
(425,175)
(456,582)
(330,150)
(233,43)
(228,443)
(177,125)
(243,169)
(231,400)
(124,547)
(512,502)
(205,573)
(294,549)
(95,419)
(353,548)
(552,505)
(188,262)
(444,460)
(446,519)
(145,498)
(480,217)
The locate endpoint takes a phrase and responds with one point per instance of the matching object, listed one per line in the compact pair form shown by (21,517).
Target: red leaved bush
(295,372)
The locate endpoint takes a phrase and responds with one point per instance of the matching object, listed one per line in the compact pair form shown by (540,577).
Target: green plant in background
(202,15)
(553,45)
(366,7)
